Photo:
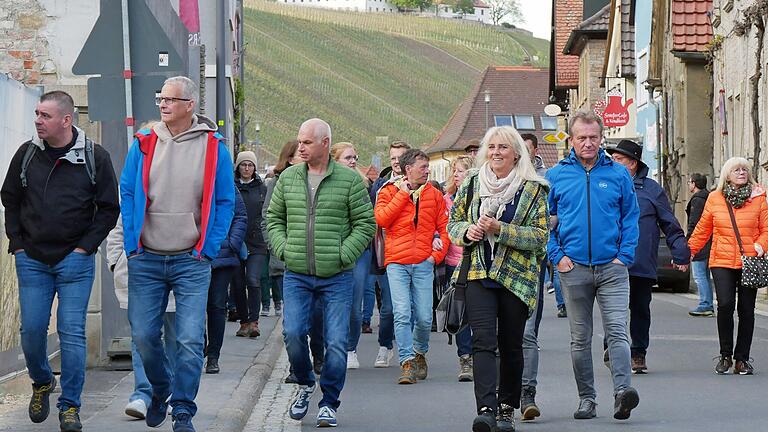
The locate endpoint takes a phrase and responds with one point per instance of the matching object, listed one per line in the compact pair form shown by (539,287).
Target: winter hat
(245,156)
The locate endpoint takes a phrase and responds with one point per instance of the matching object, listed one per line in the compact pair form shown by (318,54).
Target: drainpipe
(221,68)
(659,149)
(442,156)
(241,60)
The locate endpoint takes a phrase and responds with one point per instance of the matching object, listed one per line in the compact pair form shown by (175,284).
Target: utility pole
(221,71)
(487,101)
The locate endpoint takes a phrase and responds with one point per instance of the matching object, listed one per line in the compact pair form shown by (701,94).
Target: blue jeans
(70,280)
(300,292)
(411,291)
(150,278)
(555,279)
(531,336)
(609,285)
(369,295)
(141,387)
(700,271)
(386,316)
(361,274)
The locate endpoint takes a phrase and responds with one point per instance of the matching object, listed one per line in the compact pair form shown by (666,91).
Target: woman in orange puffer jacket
(737,189)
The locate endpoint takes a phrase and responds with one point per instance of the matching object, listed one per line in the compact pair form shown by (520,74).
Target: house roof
(627,39)
(567,15)
(595,27)
(691,29)
(513,90)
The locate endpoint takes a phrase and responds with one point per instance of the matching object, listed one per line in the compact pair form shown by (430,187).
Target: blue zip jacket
(218,190)
(229,255)
(655,214)
(597,212)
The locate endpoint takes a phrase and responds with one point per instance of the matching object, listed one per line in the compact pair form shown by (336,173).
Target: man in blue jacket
(594,241)
(655,213)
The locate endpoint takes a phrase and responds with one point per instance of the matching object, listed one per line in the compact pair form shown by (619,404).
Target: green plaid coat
(520,245)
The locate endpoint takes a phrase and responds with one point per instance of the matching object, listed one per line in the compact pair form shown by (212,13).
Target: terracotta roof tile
(568,15)
(627,40)
(691,29)
(595,27)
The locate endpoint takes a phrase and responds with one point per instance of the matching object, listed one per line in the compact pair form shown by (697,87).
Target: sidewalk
(225,401)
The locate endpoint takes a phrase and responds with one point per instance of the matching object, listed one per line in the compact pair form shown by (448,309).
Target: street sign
(555,137)
(552,110)
(144,89)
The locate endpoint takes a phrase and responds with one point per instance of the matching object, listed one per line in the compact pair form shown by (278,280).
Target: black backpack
(90,162)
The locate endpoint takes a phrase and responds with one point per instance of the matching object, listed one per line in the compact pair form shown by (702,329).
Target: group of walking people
(186,223)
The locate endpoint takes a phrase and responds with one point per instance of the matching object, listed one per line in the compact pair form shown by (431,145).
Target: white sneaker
(383,357)
(136,409)
(352,362)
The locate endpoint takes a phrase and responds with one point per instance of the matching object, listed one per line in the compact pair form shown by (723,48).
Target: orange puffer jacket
(408,240)
(752,220)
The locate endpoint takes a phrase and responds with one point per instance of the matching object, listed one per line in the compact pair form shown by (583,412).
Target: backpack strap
(90,161)
(28,154)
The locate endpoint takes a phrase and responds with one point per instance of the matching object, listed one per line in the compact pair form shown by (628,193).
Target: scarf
(495,194)
(737,196)
(415,194)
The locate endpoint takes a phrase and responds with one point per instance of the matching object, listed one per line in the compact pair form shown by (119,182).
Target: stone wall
(24,50)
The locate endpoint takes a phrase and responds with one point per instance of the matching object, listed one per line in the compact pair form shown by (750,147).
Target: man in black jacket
(61,201)
(697,184)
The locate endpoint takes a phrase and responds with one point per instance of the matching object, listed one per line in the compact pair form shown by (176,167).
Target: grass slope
(368,75)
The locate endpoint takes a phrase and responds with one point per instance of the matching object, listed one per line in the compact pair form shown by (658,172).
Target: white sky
(538,14)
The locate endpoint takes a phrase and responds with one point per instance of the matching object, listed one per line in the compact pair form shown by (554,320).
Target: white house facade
(347,5)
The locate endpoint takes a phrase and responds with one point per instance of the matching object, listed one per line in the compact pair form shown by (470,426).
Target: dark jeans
(640,313)
(246,287)
(268,286)
(217,308)
(727,284)
(485,308)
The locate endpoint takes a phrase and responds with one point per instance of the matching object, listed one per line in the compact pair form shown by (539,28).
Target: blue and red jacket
(218,193)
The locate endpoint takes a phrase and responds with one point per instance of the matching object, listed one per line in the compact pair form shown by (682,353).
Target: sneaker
(278,308)
(561,312)
(407,373)
(317,366)
(291,379)
(264,311)
(638,364)
(743,367)
(326,417)
(352,362)
(701,312)
(366,328)
(465,368)
(157,412)
(724,365)
(421,366)
(232,315)
(69,420)
(383,357)
(505,419)
(549,287)
(587,410)
(300,405)
(39,404)
(244,330)
(212,366)
(528,408)
(485,421)
(136,409)
(607,358)
(624,402)
(182,422)
(254,331)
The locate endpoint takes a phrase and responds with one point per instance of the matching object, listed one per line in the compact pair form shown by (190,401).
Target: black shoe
(157,412)
(743,367)
(485,421)
(291,379)
(561,312)
(39,405)
(317,366)
(69,420)
(505,419)
(212,366)
(182,422)
(587,410)
(607,358)
(232,315)
(724,365)
(625,401)
(528,408)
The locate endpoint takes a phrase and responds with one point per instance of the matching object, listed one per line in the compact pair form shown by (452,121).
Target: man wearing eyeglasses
(178,197)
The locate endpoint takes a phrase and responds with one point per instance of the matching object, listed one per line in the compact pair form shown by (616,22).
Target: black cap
(628,148)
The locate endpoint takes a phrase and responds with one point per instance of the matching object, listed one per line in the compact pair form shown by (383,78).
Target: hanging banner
(189,12)
(616,113)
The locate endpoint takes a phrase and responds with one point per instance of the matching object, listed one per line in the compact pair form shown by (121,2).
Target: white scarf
(496,193)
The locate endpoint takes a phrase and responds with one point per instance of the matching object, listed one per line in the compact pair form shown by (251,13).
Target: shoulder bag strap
(461,279)
(735,227)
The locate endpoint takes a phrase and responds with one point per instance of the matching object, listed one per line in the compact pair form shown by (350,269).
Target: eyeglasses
(169,100)
(740,169)
(351,157)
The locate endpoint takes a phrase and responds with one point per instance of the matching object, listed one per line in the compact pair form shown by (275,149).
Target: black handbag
(754,270)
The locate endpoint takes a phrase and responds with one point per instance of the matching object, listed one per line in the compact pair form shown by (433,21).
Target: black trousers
(727,285)
(497,318)
(640,313)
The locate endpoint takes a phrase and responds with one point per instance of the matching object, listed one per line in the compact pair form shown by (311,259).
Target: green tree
(507,10)
(412,4)
(464,6)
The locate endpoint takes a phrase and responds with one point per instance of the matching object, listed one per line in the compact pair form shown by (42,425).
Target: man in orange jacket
(411,212)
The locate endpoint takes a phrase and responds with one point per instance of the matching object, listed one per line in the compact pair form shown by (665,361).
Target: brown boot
(244,331)
(254,331)
(407,373)
(638,364)
(421,366)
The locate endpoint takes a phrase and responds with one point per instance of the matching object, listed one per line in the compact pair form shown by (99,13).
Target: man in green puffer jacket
(319,220)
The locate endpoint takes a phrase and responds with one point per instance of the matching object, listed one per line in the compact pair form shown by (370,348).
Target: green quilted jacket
(521,244)
(325,237)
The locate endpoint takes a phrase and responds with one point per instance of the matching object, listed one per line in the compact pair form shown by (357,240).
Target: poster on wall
(650,137)
(189,13)
(616,112)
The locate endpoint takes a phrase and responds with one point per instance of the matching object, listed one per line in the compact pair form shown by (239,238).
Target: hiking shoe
(39,404)
(352,361)
(724,365)
(366,328)
(182,422)
(326,417)
(561,312)
(69,420)
(421,366)
(300,405)
(264,311)
(253,331)
(465,368)
(607,358)
(700,312)
(407,373)
(317,366)
(624,402)
(383,357)
(505,419)
(136,409)
(528,408)
(157,412)
(212,366)
(743,367)
(485,421)
(244,330)
(638,364)
(587,410)
(232,315)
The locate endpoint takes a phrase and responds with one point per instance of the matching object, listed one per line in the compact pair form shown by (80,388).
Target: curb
(240,406)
